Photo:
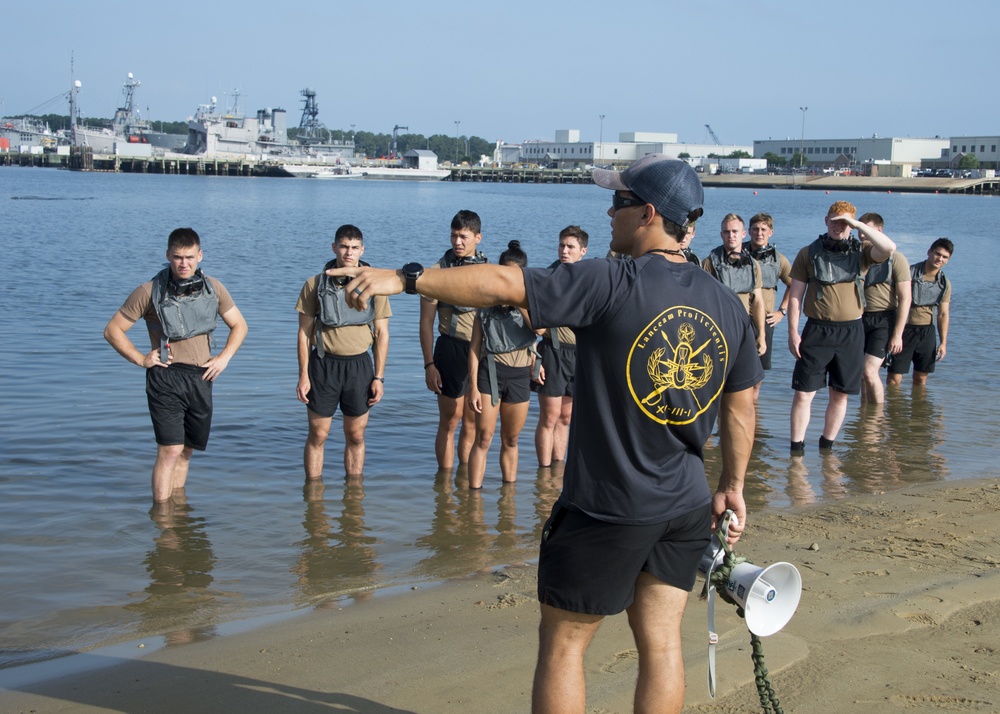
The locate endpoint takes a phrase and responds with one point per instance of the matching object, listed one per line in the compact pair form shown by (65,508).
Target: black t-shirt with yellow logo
(657,345)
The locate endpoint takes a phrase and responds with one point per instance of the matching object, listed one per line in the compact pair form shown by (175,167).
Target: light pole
(802,141)
(601,141)
(457,122)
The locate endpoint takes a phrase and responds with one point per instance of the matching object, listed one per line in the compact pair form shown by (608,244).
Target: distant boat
(127,126)
(321,172)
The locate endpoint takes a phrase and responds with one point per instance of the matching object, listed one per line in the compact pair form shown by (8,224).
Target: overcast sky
(521,70)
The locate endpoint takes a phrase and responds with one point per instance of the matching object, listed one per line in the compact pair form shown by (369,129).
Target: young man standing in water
(558,350)
(335,368)
(930,289)
(774,269)
(663,350)
(446,362)
(887,307)
(181,306)
(827,285)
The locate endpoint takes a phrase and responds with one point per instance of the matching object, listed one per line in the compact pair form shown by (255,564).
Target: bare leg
(354,445)
(655,618)
(548,418)
(486,424)
(559,684)
(449,417)
(871,386)
(512,418)
(893,380)
(801,405)
(920,377)
(561,436)
(836,410)
(170,470)
(312,454)
(467,435)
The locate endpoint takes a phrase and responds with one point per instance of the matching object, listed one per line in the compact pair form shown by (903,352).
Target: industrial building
(567,151)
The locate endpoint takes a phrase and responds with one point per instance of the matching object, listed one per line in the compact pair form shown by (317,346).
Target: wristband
(428,365)
(782,311)
(381,379)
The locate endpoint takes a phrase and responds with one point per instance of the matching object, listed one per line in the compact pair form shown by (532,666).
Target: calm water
(83,562)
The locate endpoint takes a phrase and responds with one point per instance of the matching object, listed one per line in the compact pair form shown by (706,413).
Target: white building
(846,152)
(984,148)
(567,151)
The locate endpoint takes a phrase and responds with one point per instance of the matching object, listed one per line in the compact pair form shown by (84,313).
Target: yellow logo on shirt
(677,365)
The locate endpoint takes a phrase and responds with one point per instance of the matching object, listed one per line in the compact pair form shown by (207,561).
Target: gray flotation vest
(879,273)
(834,267)
(738,278)
(767,259)
(926,293)
(503,331)
(333,308)
(450,260)
(183,316)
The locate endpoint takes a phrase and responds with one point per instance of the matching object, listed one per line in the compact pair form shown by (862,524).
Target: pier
(84,159)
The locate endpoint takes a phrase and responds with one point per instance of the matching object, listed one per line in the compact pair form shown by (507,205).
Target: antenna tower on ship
(311,129)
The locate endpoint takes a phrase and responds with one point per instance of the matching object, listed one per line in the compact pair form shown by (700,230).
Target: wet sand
(900,611)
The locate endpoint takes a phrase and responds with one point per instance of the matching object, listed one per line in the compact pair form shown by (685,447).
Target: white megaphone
(768,596)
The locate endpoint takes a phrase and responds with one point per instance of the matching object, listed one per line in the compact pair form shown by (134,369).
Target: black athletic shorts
(590,566)
(513,383)
(765,359)
(836,349)
(878,327)
(559,365)
(451,357)
(180,405)
(919,347)
(340,381)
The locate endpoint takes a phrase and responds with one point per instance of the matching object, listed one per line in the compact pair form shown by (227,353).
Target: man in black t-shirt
(663,349)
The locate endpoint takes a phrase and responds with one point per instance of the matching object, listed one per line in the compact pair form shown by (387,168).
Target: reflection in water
(548,486)
(180,570)
(338,558)
(800,492)
(458,540)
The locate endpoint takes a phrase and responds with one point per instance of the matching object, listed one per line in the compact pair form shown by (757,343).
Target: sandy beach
(900,611)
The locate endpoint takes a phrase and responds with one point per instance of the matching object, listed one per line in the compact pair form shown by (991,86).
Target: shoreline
(907,574)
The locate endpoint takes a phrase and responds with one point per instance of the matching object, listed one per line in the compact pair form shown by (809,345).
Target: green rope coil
(720,576)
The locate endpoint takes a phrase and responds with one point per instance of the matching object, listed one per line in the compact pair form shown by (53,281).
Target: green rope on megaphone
(720,576)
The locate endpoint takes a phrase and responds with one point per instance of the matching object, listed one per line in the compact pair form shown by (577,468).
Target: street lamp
(802,141)
(601,142)
(457,122)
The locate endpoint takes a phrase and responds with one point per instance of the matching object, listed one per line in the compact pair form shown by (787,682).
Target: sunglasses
(620,202)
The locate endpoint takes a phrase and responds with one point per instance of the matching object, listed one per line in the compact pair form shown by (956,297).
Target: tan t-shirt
(770,295)
(565,335)
(841,302)
(745,298)
(446,314)
(194,351)
(924,314)
(883,296)
(346,341)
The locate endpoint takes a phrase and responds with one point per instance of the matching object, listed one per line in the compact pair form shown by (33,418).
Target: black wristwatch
(412,271)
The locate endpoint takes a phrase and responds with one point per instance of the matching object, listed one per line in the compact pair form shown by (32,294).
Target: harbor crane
(395,135)
(712,134)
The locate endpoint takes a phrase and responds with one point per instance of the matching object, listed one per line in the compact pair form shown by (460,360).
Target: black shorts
(180,405)
(765,359)
(836,349)
(590,566)
(878,328)
(451,357)
(919,347)
(340,381)
(559,365)
(513,383)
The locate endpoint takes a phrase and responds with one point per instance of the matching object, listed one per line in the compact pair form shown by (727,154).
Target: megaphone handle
(713,636)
